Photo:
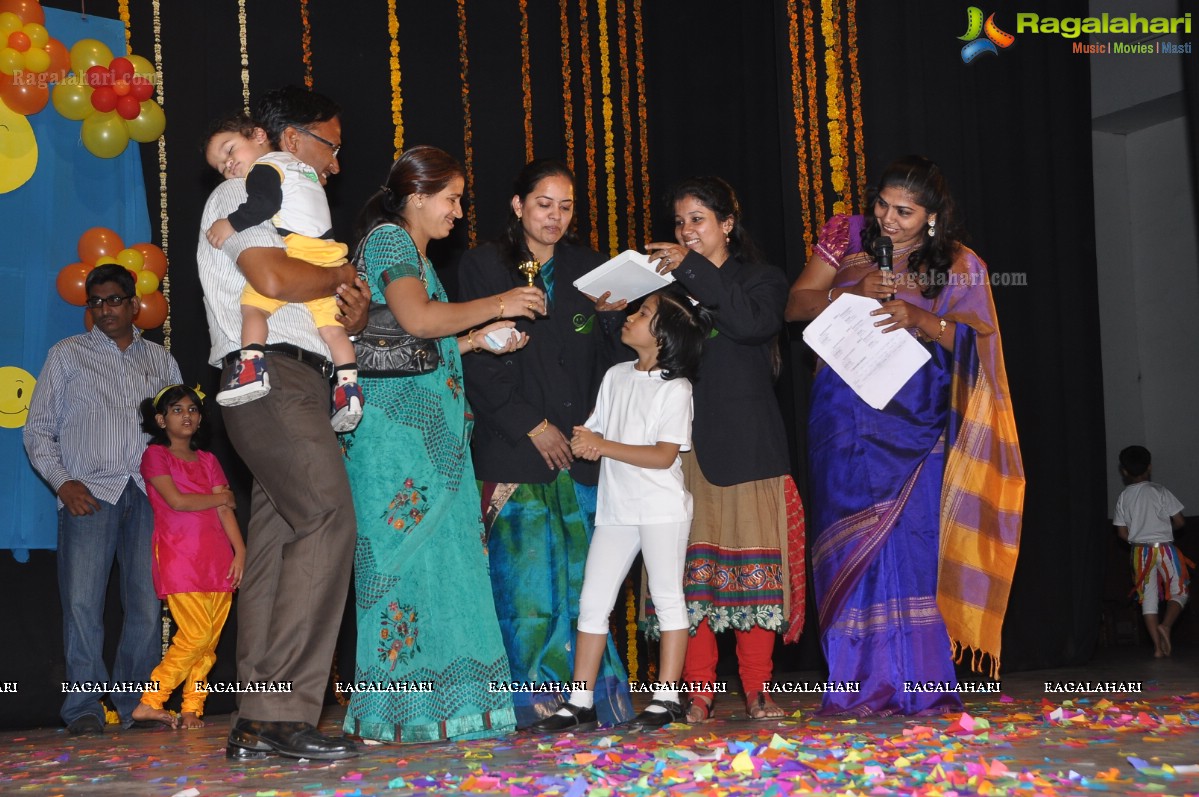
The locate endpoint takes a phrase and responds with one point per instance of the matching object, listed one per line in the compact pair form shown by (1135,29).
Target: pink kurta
(191,551)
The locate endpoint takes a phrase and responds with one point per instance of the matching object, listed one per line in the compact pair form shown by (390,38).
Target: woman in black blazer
(538,501)
(745,567)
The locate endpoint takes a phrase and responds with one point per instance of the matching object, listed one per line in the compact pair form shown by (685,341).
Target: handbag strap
(361,267)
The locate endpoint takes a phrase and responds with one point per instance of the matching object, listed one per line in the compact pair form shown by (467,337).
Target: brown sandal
(763,708)
(700,709)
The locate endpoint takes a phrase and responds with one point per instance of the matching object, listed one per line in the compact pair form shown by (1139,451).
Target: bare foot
(1163,635)
(143,713)
(764,708)
(190,719)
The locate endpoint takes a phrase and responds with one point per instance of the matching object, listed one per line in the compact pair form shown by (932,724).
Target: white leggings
(613,551)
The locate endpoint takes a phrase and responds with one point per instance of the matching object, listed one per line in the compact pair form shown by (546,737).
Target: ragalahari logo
(995,40)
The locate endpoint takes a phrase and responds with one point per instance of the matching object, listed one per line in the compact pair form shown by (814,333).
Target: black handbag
(383,348)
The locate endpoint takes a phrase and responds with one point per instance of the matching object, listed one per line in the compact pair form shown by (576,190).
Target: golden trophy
(530,268)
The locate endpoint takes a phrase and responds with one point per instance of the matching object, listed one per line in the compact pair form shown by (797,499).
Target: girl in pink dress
(198,550)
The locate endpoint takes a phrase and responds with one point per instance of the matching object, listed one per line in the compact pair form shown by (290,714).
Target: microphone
(882,253)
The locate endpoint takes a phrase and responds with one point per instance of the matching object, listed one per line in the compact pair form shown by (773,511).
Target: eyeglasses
(335,147)
(94,302)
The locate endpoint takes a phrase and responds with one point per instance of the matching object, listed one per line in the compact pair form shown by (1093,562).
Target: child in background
(289,193)
(641,421)
(1146,516)
(198,550)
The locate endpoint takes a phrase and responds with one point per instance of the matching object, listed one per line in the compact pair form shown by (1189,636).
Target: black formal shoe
(251,740)
(580,719)
(647,720)
(86,725)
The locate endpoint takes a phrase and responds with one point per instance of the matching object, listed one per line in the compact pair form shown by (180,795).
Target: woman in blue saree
(916,506)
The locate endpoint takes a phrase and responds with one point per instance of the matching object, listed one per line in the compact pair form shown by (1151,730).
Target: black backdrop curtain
(1011,131)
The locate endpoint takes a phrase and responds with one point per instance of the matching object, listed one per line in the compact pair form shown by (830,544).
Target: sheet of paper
(628,276)
(875,364)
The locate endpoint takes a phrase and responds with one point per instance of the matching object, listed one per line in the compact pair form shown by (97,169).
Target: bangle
(470,338)
(939,333)
(830,295)
(545,424)
(501,298)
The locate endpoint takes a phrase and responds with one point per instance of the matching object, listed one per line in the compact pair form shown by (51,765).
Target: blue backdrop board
(70,191)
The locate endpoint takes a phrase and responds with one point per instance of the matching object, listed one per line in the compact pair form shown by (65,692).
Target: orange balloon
(72,283)
(155,261)
(23,96)
(99,242)
(27,10)
(153,311)
(60,60)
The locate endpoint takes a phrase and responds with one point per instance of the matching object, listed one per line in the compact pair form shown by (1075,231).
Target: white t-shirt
(641,408)
(1146,508)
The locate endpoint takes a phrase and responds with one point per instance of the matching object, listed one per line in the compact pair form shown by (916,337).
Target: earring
(932,227)
(419,204)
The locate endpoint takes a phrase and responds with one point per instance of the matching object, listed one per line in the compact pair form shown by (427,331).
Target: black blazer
(738,434)
(555,377)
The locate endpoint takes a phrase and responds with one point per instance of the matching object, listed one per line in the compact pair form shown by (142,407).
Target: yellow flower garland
(609,135)
(245,55)
(797,107)
(123,13)
(397,99)
(815,151)
(630,603)
(626,122)
(163,215)
(588,124)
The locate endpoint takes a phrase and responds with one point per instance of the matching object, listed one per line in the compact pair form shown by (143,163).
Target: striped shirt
(84,420)
(223,282)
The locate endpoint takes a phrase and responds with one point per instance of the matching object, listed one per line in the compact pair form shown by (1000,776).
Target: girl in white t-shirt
(641,421)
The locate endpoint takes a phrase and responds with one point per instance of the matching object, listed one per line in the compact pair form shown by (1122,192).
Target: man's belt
(321,364)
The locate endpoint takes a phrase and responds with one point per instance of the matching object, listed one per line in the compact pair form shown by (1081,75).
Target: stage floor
(1022,741)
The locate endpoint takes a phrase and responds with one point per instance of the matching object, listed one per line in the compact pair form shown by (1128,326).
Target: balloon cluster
(146,262)
(30,60)
(112,98)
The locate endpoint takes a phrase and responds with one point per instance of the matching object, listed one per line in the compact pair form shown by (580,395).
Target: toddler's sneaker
(249,381)
(347,407)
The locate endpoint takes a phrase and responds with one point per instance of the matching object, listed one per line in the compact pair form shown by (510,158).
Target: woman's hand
(522,302)
(902,315)
(669,256)
(236,569)
(585,444)
(517,340)
(602,305)
(876,284)
(553,447)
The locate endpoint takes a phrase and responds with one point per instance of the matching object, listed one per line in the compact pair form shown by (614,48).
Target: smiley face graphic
(18,150)
(16,389)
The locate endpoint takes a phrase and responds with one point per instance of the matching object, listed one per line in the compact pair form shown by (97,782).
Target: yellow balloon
(10,61)
(88,53)
(9,23)
(147,282)
(38,35)
(16,389)
(131,259)
(37,60)
(104,134)
(18,150)
(149,124)
(72,100)
(143,68)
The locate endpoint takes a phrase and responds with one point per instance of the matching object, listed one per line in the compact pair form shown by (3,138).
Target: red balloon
(99,242)
(27,10)
(22,97)
(104,99)
(128,107)
(19,41)
(155,260)
(141,89)
(97,76)
(152,312)
(121,68)
(72,283)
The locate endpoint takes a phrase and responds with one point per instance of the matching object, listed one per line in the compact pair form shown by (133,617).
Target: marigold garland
(642,117)
(588,124)
(306,43)
(609,134)
(467,139)
(163,215)
(245,55)
(123,13)
(814,149)
(859,145)
(525,80)
(835,99)
(568,117)
(626,122)
(630,613)
(397,99)
(797,108)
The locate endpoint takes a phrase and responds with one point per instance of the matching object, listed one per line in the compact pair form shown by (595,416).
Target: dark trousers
(300,543)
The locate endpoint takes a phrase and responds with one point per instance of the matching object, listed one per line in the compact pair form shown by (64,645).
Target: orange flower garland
(630,603)
(467,139)
(642,117)
(797,108)
(859,146)
(609,135)
(123,13)
(626,122)
(525,81)
(397,99)
(306,43)
(814,149)
(588,124)
(568,117)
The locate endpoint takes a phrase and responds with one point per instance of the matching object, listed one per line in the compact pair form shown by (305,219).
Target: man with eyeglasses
(300,539)
(84,437)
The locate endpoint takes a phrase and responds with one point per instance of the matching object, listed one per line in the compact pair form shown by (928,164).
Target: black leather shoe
(251,740)
(86,725)
(580,719)
(649,720)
